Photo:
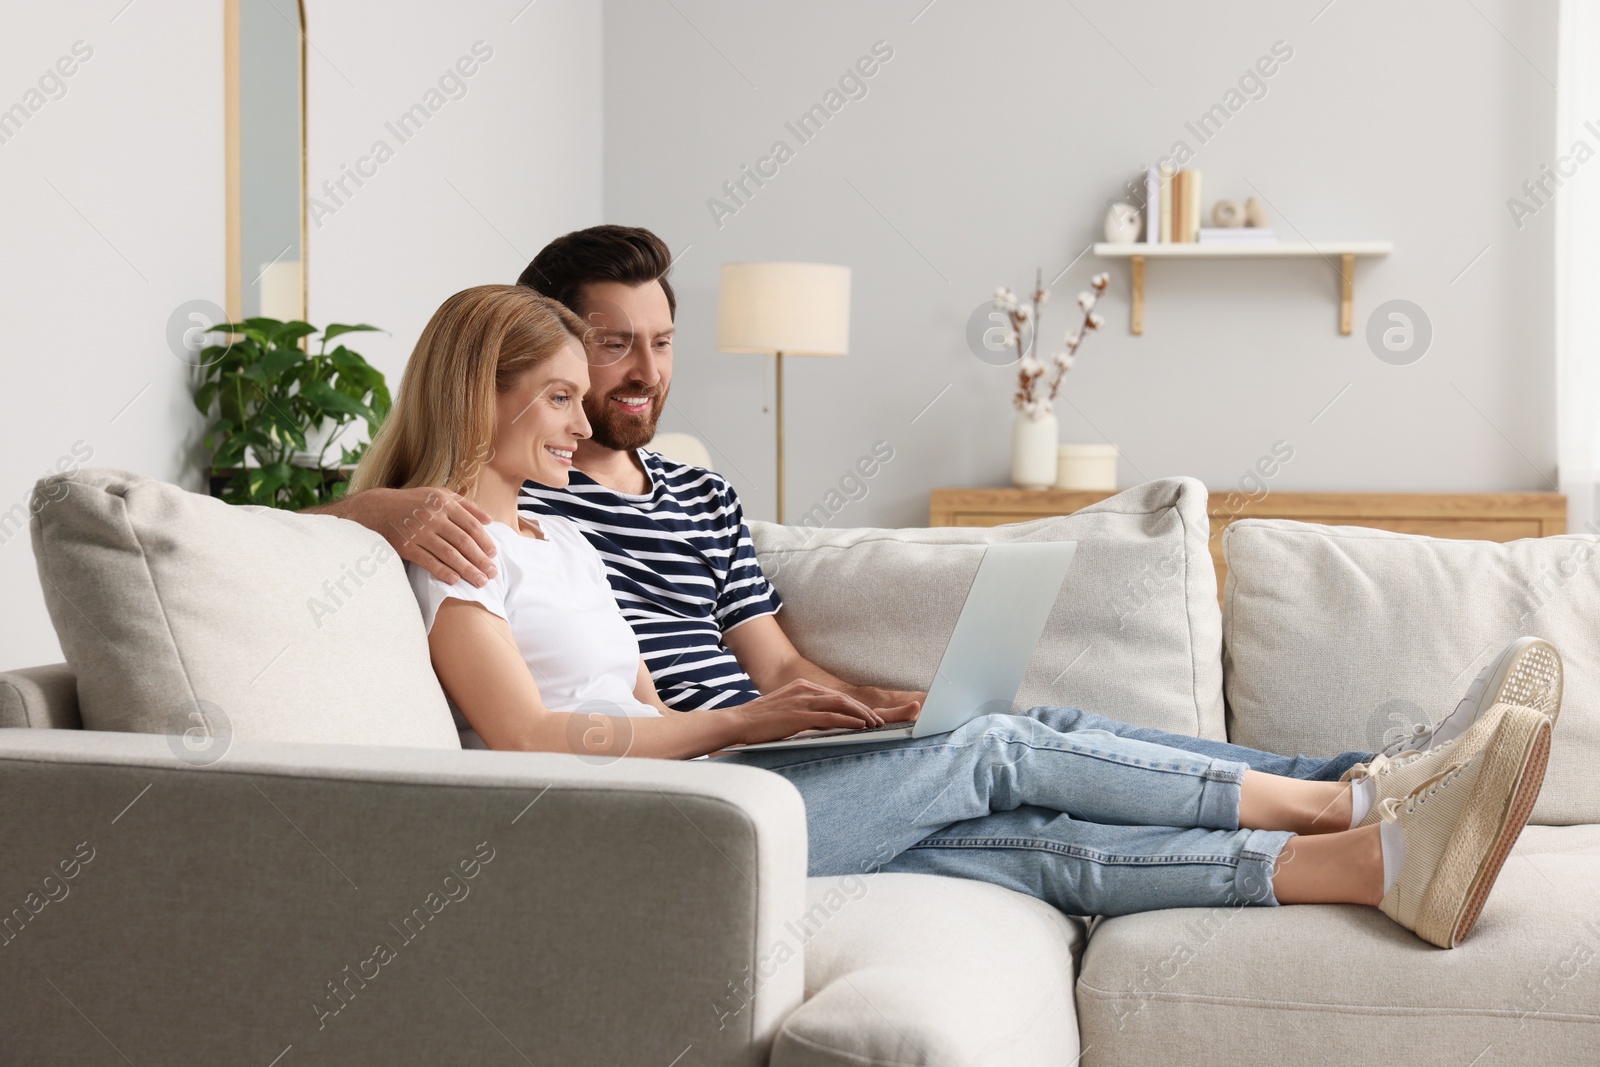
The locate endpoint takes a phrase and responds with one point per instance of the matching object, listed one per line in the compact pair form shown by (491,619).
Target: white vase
(1033,451)
(1086,467)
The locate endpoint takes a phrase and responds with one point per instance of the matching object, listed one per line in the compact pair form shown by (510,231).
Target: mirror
(266,168)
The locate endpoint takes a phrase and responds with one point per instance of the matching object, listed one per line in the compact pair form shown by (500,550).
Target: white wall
(113,219)
(987,145)
(991,144)
(135,145)
(489,178)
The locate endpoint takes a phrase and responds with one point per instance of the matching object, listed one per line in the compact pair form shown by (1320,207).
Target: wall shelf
(1347,251)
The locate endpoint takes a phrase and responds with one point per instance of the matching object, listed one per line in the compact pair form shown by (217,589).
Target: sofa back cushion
(1336,636)
(1135,633)
(182,615)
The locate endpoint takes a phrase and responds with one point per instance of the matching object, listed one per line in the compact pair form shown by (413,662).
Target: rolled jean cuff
(1219,795)
(1252,878)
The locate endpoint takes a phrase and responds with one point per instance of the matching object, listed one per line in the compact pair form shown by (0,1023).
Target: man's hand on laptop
(440,531)
(892,705)
(804,705)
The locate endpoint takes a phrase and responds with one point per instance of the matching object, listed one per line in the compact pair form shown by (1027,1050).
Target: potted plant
(1033,429)
(277,408)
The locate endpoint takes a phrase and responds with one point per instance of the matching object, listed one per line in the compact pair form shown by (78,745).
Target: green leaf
(230,453)
(331,399)
(284,426)
(335,330)
(350,363)
(254,372)
(259,333)
(210,355)
(293,331)
(255,439)
(271,478)
(274,363)
(203,397)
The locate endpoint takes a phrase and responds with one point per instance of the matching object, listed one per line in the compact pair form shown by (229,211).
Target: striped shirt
(682,567)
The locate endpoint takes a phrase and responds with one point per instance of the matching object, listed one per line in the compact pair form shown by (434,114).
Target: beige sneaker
(1527,673)
(1459,826)
(1400,776)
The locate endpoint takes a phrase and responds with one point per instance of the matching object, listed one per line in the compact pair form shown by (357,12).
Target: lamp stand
(778,364)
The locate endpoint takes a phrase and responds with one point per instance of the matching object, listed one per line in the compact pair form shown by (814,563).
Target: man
(676,548)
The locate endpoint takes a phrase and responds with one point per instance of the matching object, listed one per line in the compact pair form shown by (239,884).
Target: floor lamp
(784,309)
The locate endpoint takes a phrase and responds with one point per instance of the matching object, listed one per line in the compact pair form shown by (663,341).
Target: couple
(624,613)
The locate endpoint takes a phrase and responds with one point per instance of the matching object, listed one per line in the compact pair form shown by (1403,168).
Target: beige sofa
(266,848)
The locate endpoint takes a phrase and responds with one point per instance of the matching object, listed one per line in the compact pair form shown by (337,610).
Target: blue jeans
(1093,816)
(1306,768)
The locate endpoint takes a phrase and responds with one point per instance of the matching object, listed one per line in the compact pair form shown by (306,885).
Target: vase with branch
(1033,429)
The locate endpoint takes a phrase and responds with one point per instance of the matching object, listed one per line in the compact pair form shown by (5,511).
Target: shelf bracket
(1347,275)
(1136,304)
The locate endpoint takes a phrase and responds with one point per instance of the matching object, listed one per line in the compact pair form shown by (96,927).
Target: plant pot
(317,440)
(1086,467)
(1033,451)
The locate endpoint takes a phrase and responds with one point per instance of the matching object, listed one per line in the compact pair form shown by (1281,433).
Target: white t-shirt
(554,595)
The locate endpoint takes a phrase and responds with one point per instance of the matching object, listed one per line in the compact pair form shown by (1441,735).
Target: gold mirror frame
(233,171)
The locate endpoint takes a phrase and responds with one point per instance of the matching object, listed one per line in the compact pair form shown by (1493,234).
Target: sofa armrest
(389,905)
(44,697)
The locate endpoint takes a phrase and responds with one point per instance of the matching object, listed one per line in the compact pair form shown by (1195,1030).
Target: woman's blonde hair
(477,345)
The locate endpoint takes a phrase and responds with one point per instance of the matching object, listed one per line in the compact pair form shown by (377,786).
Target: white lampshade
(683,447)
(799,309)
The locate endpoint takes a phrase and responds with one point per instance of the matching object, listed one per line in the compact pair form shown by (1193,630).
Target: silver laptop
(988,651)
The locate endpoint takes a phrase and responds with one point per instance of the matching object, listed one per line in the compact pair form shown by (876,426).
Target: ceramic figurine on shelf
(1255,214)
(1122,224)
(1228,214)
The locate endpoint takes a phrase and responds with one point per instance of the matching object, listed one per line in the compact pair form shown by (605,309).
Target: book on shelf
(1152,206)
(1236,235)
(1165,229)
(1180,204)
(1192,216)
(1185,210)
(1172,205)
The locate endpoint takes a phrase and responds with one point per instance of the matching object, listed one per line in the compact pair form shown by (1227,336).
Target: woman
(542,659)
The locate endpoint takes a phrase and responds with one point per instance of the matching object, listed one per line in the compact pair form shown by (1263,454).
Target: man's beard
(611,427)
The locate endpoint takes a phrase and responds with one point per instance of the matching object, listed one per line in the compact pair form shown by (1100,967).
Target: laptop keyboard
(863,730)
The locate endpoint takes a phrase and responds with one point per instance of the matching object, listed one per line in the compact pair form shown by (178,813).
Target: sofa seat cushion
(1135,634)
(1257,987)
(917,969)
(40,698)
(1338,637)
(182,615)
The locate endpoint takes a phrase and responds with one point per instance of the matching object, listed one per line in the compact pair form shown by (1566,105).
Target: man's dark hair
(628,254)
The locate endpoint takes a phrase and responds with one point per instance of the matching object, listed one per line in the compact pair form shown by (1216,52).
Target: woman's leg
(1267,802)
(1085,868)
(868,803)
(1306,768)
(1342,868)
(1092,869)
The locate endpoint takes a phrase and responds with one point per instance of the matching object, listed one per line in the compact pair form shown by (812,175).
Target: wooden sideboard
(1470,516)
